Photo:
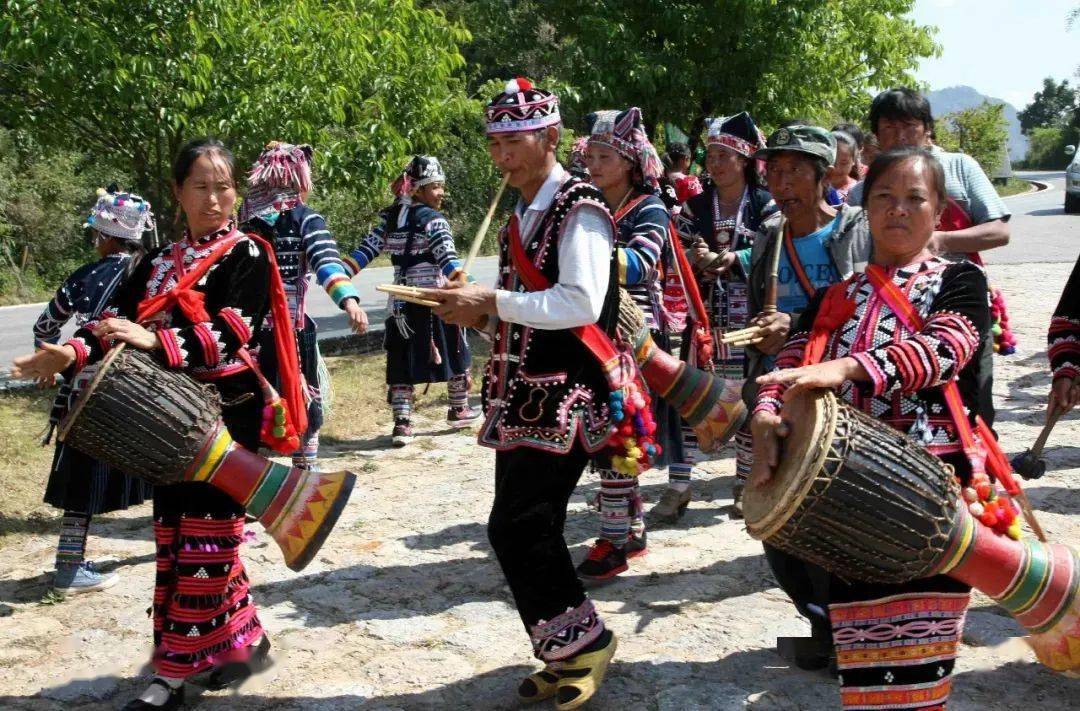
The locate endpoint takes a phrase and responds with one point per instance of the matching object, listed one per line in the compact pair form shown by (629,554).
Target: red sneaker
(604,561)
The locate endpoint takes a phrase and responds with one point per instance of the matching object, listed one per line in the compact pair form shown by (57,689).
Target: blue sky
(1003,48)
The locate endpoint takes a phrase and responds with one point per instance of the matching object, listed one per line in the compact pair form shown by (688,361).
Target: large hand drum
(854,495)
(865,502)
(162,426)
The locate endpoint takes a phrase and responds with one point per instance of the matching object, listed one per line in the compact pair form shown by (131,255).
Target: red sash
(591,336)
(628,207)
(192,304)
(834,311)
(954,218)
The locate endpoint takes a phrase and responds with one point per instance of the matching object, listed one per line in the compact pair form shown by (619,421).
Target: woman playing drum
(204,617)
(896,643)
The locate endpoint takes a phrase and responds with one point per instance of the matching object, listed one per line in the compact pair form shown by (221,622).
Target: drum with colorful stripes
(163,426)
(865,502)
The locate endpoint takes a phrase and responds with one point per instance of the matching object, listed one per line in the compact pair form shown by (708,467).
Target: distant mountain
(959,98)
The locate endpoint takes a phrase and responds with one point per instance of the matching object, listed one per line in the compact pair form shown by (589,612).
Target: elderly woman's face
(903,208)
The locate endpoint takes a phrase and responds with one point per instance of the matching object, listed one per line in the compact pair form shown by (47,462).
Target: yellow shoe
(539,685)
(580,676)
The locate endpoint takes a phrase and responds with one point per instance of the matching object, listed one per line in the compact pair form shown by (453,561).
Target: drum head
(811,419)
(80,401)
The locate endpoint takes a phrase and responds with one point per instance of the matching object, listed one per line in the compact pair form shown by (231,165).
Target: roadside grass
(359,410)
(359,407)
(24,463)
(1013,186)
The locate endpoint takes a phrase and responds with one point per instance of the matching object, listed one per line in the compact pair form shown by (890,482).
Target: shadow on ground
(752,679)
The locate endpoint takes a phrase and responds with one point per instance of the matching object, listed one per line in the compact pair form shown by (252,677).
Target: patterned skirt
(668,423)
(78,482)
(203,611)
(896,645)
(421,348)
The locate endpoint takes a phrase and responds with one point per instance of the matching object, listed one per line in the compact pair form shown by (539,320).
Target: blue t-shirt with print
(816,262)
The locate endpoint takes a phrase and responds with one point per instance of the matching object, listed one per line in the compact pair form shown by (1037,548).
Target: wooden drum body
(145,420)
(854,496)
(163,426)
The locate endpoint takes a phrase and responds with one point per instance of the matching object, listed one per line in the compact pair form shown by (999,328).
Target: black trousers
(532,489)
(808,586)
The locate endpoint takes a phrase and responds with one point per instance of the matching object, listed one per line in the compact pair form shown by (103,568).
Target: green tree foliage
(1056,105)
(684,61)
(1046,149)
(366,81)
(45,195)
(981,132)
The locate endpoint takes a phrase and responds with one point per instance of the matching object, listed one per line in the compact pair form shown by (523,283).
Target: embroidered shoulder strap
(996,461)
(628,207)
(834,311)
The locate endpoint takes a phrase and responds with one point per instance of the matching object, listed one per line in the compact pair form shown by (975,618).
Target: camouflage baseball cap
(812,140)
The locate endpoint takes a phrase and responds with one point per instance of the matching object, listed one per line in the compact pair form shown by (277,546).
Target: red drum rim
(811,419)
(84,396)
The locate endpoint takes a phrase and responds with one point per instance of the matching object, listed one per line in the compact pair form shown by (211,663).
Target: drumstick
(478,238)
(774,270)
(1029,514)
(730,336)
(754,340)
(406,293)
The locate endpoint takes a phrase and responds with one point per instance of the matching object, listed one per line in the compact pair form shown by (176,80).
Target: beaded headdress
(121,215)
(624,132)
(522,107)
(738,132)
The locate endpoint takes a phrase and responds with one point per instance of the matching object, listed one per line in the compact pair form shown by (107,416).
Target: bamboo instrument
(752,334)
(478,238)
(406,293)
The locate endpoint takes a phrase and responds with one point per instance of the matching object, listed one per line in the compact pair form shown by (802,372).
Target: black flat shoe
(235,673)
(175,700)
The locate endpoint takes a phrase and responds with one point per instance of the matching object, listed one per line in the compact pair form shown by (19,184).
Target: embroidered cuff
(878,378)
(1067,370)
(171,348)
(566,634)
(208,341)
(352,265)
(236,321)
(769,404)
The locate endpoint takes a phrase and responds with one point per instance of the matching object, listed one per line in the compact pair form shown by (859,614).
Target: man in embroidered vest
(545,394)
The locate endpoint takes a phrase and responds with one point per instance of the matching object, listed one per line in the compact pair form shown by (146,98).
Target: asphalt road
(16,321)
(1041,232)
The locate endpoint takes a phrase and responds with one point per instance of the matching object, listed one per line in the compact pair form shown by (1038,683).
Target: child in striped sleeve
(275,207)
(420,347)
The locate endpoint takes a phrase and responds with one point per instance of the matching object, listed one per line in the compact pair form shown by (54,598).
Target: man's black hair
(901,104)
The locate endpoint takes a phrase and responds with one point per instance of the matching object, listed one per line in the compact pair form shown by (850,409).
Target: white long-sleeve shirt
(584,256)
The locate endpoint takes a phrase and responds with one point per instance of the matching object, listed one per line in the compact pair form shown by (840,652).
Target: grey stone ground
(406,609)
